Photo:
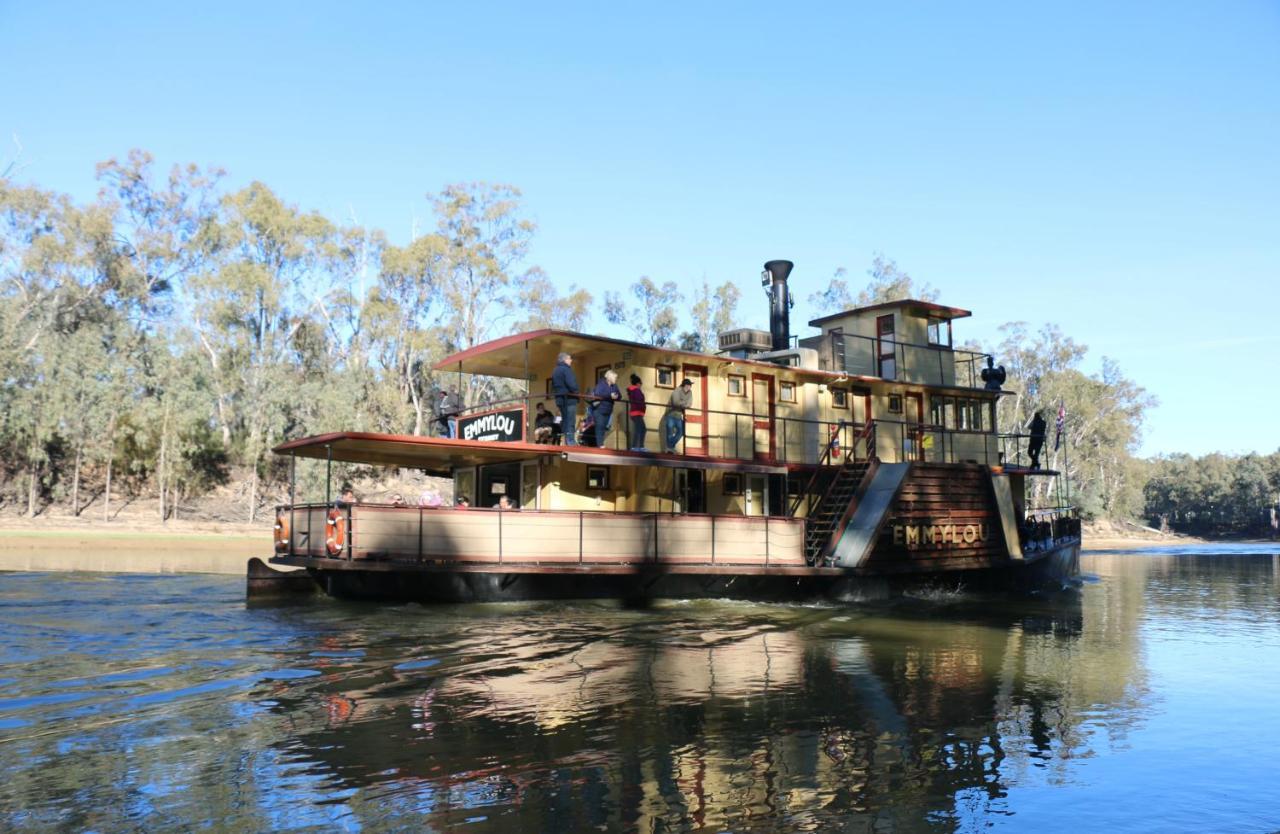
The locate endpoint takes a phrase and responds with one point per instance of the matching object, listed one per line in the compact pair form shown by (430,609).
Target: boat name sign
(505,426)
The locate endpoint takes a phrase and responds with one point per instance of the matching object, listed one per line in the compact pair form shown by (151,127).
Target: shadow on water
(171,701)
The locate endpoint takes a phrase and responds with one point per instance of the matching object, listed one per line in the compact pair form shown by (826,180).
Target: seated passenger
(544,425)
(504,503)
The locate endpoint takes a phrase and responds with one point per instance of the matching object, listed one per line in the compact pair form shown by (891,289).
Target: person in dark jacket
(635,411)
(564,387)
(606,393)
(1037,439)
(544,425)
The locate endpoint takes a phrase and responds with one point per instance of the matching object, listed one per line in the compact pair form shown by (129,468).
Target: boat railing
(870,356)
(373,531)
(1046,527)
(774,438)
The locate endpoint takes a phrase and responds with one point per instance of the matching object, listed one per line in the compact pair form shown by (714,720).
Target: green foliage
(170,333)
(655,319)
(888,283)
(1214,495)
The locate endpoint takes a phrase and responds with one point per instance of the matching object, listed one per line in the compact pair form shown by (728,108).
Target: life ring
(335,537)
(281,532)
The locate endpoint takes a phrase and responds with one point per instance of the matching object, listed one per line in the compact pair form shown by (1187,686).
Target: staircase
(831,508)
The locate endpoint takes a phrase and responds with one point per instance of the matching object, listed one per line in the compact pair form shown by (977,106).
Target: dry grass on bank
(221,512)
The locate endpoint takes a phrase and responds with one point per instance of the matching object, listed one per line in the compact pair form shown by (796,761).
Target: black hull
(1051,570)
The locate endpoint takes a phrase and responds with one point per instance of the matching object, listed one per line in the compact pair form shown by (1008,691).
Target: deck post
(419,534)
(293,479)
(580,514)
(713,539)
(655,538)
(766,538)
(499,537)
(328,473)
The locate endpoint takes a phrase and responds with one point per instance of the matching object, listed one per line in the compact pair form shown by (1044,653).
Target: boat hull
(1051,570)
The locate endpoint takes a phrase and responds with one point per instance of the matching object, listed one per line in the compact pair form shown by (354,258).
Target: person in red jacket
(635,410)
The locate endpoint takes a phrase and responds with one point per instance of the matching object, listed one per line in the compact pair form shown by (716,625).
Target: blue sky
(1113,168)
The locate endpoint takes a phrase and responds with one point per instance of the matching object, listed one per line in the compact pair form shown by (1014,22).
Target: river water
(1147,701)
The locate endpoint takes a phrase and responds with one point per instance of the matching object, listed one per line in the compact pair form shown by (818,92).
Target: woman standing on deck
(606,391)
(635,410)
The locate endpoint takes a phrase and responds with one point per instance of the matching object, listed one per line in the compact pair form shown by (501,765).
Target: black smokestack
(775,279)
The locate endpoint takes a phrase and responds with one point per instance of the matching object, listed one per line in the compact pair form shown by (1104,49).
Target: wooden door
(695,419)
(913,430)
(762,416)
(756,495)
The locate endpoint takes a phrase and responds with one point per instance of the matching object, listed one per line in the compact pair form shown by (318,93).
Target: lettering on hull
(940,536)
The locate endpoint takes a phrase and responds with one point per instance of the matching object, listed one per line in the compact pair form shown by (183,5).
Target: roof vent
(745,339)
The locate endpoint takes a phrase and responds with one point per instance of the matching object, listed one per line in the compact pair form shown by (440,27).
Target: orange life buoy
(335,538)
(281,532)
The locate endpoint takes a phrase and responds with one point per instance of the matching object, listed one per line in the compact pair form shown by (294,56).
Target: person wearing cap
(673,421)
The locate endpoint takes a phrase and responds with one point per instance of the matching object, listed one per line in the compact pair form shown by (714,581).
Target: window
(939,331)
(666,376)
(886,347)
(839,398)
(942,411)
(895,403)
(794,487)
(597,477)
(786,392)
(737,385)
(732,484)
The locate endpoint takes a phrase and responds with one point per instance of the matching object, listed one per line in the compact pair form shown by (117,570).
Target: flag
(1062,419)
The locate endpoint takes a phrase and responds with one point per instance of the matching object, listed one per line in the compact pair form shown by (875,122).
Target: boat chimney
(774,279)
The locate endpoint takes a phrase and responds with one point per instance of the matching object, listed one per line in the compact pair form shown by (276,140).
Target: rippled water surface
(1147,701)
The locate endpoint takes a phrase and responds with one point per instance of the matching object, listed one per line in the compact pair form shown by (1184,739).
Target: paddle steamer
(846,464)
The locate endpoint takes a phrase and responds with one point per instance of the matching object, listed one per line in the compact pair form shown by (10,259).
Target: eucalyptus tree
(654,319)
(263,287)
(888,283)
(712,313)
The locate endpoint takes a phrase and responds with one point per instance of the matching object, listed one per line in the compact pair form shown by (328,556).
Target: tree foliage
(172,332)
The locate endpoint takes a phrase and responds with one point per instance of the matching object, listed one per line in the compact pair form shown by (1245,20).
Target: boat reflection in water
(723,716)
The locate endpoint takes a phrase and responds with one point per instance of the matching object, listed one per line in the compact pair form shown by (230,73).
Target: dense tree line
(163,337)
(1215,495)
(170,332)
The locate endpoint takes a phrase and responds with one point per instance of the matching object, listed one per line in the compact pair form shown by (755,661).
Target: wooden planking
(936,507)
(560,538)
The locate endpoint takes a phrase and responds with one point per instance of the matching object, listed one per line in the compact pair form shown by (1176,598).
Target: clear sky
(1111,167)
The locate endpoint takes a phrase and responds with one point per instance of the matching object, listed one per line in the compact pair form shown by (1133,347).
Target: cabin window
(939,331)
(895,403)
(786,392)
(597,477)
(839,398)
(942,411)
(732,484)
(970,415)
(666,376)
(794,487)
(737,385)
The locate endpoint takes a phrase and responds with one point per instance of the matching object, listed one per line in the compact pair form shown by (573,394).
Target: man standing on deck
(564,386)
(673,421)
(1037,439)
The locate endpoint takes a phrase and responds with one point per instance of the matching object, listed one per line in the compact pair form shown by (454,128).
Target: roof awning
(514,356)
(439,455)
(434,455)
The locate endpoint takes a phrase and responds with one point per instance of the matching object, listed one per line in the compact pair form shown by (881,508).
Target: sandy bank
(178,547)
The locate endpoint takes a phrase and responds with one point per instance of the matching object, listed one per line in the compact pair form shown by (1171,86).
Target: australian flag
(1062,419)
